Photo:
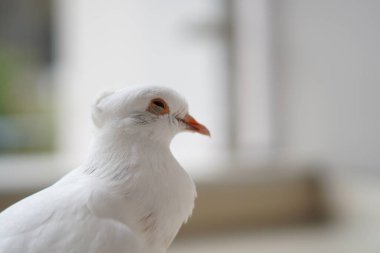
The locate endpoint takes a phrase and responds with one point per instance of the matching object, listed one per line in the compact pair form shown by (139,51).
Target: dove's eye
(159,103)
(158,106)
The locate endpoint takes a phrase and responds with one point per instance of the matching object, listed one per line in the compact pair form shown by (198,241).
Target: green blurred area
(26,122)
(18,82)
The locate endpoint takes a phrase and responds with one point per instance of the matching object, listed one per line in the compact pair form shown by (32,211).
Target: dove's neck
(114,155)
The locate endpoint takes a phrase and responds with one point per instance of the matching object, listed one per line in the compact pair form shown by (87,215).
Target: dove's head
(156,113)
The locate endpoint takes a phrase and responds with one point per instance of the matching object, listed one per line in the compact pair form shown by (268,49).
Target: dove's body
(130,196)
(140,211)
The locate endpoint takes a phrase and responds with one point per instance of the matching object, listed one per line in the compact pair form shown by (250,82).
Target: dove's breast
(155,200)
(174,202)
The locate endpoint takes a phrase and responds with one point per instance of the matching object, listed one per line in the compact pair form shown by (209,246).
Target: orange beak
(193,125)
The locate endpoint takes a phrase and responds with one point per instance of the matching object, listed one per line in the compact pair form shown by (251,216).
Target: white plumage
(129,196)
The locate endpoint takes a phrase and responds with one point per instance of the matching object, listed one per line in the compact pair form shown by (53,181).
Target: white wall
(253,70)
(328,80)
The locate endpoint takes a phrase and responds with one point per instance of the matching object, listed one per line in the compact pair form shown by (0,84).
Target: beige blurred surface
(334,239)
(251,200)
(353,228)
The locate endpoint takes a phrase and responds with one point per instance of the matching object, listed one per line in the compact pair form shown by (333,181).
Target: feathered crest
(97,108)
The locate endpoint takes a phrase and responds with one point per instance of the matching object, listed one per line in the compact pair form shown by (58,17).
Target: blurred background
(289,89)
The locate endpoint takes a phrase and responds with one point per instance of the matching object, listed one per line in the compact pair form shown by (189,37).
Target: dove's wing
(59,219)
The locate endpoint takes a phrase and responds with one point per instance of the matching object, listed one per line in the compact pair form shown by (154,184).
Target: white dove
(129,196)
